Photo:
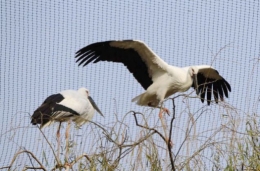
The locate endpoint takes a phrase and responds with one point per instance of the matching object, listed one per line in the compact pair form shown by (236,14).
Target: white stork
(159,79)
(65,106)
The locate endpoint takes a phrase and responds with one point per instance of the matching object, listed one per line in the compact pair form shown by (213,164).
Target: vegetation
(153,147)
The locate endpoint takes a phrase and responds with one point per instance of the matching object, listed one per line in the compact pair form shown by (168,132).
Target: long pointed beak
(195,82)
(94,105)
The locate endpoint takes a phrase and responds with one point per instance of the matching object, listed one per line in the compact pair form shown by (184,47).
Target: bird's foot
(163,110)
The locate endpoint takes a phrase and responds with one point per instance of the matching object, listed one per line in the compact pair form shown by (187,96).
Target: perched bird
(159,79)
(66,106)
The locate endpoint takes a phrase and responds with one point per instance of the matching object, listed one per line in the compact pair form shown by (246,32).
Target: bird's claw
(164,110)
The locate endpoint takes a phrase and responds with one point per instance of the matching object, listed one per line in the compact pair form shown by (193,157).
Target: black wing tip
(225,86)
(228,86)
(98,44)
(84,53)
(78,53)
(208,101)
(107,51)
(221,89)
(40,118)
(34,122)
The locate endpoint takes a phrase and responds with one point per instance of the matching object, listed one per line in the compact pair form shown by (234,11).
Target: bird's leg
(58,140)
(163,110)
(67,141)
(166,133)
(164,125)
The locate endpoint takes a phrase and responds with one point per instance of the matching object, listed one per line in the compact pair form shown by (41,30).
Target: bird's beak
(195,82)
(94,105)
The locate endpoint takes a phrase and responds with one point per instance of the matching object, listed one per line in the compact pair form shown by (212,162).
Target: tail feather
(137,98)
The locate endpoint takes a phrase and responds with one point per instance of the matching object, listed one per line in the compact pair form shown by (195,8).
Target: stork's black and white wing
(59,107)
(43,113)
(210,82)
(139,59)
(67,105)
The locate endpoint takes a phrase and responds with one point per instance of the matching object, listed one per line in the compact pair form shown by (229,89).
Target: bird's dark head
(193,71)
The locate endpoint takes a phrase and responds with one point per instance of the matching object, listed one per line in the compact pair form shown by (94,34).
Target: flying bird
(159,79)
(66,106)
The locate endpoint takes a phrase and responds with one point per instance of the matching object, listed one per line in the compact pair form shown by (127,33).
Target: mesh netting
(38,44)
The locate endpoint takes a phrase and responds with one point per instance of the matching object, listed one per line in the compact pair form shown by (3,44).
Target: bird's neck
(187,81)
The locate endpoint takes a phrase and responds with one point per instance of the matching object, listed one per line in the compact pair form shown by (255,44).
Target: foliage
(152,147)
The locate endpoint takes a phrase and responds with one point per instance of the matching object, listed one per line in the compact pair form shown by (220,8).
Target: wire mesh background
(38,44)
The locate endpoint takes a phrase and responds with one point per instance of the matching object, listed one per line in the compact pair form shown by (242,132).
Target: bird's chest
(176,85)
(172,90)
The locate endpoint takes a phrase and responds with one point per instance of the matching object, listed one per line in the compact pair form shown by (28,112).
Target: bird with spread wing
(159,79)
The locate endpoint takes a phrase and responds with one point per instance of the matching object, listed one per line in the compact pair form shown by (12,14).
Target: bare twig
(35,168)
(27,167)
(5,167)
(186,136)
(56,158)
(169,145)
(145,127)
(166,140)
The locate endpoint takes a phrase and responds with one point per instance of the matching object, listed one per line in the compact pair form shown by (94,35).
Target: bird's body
(157,91)
(159,79)
(66,105)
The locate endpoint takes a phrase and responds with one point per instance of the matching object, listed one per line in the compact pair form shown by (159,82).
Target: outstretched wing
(210,82)
(139,59)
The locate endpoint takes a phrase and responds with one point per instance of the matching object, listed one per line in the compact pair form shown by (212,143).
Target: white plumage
(73,105)
(66,106)
(159,79)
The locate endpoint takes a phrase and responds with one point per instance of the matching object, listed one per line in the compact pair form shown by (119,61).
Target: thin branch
(33,156)
(56,158)
(69,165)
(145,127)
(35,168)
(169,145)
(5,167)
(187,135)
